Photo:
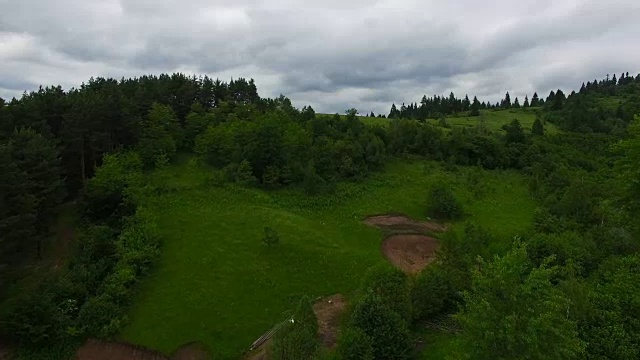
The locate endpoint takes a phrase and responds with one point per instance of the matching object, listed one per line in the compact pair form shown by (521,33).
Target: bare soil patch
(400,222)
(95,349)
(192,351)
(329,311)
(409,252)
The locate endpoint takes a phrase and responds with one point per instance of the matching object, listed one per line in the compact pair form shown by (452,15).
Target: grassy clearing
(495,119)
(216,283)
(491,119)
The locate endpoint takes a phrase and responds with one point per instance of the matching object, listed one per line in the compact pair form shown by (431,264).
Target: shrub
(443,204)
(354,344)
(270,237)
(297,340)
(388,332)
(433,294)
(391,286)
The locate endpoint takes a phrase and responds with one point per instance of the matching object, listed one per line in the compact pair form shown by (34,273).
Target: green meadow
(218,284)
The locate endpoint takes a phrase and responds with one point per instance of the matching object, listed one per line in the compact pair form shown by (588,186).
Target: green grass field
(216,283)
(495,119)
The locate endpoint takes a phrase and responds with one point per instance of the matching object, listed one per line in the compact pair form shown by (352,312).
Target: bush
(391,286)
(388,332)
(297,340)
(355,345)
(433,294)
(443,204)
(270,237)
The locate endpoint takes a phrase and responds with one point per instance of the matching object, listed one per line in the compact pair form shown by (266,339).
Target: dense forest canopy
(578,266)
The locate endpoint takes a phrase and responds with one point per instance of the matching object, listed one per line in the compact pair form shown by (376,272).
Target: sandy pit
(411,253)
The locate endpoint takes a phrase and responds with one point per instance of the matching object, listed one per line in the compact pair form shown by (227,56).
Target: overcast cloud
(332,54)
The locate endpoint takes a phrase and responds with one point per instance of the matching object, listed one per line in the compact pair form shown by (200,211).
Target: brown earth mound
(329,311)
(95,349)
(410,252)
(399,222)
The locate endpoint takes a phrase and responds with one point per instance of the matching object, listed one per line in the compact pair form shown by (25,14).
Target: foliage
(537,129)
(386,329)
(611,326)
(354,344)
(297,339)
(270,237)
(443,204)
(434,293)
(107,195)
(391,286)
(513,311)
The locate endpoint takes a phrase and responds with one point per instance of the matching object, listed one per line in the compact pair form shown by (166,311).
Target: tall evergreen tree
(506,102)
(535,100)
(516,103)
(526,101)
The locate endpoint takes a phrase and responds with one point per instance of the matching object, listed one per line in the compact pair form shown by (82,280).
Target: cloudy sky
(332,54)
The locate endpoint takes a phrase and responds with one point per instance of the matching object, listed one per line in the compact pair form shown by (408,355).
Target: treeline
(439,106)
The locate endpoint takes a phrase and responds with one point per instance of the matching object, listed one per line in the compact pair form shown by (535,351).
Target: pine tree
(38,158)
(394,112)
(535,100)
(506,102)
(537,128)
(475,107)
(526,101)
(516,103)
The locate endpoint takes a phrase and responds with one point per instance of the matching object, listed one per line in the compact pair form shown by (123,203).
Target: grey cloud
(330,54)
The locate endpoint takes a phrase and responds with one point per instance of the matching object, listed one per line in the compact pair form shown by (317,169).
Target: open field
(495,119)
(217,284)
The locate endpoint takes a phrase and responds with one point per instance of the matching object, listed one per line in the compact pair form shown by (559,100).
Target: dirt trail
(95,349)
(400,222)
(329,312)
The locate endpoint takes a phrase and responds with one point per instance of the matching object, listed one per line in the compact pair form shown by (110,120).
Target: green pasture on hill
(218,284)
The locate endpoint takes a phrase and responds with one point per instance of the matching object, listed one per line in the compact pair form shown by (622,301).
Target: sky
(330,54)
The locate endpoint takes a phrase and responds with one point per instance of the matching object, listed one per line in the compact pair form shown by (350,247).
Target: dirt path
(95,349)
(400,222)
(329,312)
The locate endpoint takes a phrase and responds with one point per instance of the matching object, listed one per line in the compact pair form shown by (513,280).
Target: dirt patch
(399,222)
(329,311)
(102,350)
(192,351)
(410,252)
(95,349)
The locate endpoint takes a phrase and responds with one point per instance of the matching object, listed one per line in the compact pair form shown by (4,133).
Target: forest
(114,189)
